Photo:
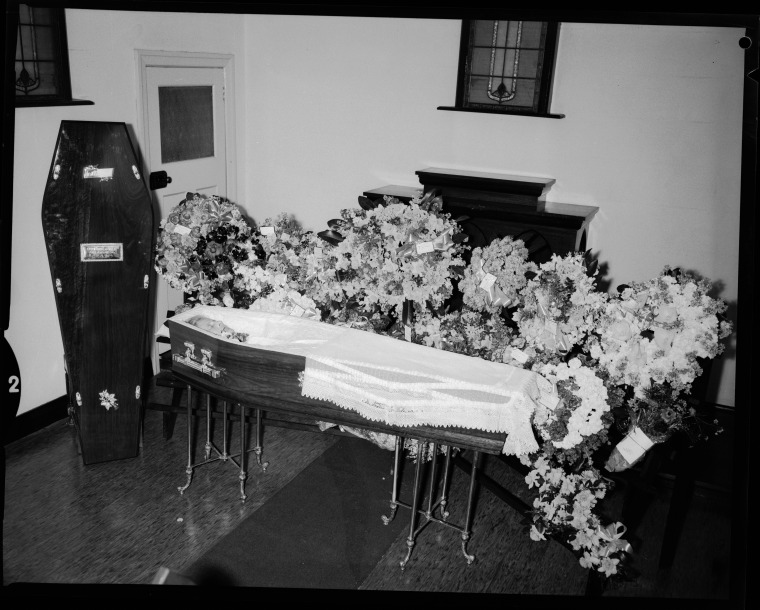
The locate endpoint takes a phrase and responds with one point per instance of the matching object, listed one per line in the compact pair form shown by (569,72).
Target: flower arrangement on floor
(609,365)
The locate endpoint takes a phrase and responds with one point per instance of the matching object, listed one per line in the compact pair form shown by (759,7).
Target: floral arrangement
(564,510)
(496,275)
(560,305)
(570,414)
(473,333)
(655,332)
(609,365)
(198,243)
(393,252)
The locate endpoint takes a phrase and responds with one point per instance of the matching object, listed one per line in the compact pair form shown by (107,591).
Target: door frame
(145,59)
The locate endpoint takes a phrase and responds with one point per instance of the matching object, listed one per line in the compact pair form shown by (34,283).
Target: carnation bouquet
(198,244)
(496,275)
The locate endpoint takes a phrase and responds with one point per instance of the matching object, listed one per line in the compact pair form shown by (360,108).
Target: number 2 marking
(13,380)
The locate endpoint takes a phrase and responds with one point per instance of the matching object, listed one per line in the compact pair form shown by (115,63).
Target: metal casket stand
(98,220)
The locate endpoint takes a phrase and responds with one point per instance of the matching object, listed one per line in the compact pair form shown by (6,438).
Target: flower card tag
(297,311)
(547,393)
(267,230)
(487,281)
(408,332)
(424,247)
(549,401)
(634,445)
(519,355)
(182,229)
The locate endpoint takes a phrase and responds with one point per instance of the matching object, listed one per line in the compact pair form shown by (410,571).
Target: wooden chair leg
(170,417)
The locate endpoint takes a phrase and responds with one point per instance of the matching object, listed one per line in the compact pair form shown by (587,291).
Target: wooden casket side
(97,218)
(269,380)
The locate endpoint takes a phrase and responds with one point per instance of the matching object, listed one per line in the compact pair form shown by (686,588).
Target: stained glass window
(42,60)
(507,66)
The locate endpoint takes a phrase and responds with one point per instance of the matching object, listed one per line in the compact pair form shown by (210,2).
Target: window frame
(61,58)
(546,74)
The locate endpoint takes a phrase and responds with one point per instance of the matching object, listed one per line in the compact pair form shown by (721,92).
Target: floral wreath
(197,245)
(496,275)
(571,410)
(560,305)
(392,252)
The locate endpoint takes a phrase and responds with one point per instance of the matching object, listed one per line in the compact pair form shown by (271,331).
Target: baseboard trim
(36,419)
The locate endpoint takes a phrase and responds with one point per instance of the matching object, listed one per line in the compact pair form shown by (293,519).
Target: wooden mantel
(503,204)
(505,188)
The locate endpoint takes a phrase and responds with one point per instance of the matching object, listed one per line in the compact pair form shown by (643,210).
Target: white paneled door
(186,131)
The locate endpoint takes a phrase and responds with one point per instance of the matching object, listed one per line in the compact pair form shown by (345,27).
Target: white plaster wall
(328,107)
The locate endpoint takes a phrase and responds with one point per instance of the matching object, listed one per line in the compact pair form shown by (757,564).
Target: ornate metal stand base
(432,506)
(221,455)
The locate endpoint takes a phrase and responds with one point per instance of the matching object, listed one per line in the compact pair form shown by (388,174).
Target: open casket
(281,368)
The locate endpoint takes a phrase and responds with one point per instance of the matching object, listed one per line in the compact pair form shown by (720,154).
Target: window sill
(38,103)
(544,115)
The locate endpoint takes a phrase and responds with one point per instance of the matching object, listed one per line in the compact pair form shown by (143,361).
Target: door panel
(186,126)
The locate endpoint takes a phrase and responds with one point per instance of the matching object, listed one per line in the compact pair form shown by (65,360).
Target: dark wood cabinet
(497,205)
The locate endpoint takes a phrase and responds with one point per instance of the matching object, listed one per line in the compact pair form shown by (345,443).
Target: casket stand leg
(429,513)
(210,447)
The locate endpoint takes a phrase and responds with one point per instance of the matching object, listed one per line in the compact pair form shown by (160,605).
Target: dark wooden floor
(119,522)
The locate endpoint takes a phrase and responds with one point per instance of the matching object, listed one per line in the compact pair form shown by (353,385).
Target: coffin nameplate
(95,253)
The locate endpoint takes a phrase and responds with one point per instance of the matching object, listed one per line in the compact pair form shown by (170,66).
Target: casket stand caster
(432,505)
(222,455)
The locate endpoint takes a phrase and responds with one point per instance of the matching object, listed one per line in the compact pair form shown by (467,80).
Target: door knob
(159,180)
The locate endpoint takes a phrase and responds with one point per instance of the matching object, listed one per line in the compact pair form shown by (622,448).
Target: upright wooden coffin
(97,218)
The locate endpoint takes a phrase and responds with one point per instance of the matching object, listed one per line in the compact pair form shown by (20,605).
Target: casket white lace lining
(436,392)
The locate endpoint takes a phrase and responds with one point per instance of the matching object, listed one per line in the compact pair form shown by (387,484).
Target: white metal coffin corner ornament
(108,400)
